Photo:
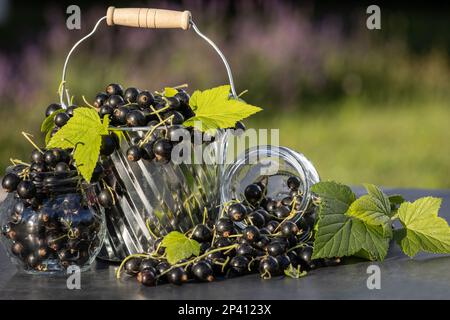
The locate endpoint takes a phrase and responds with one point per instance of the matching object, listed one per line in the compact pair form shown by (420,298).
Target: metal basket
(163,197)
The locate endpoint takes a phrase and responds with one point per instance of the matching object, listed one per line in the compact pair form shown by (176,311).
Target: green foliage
(363,226)
(215,110)
(83,133)
(179,247)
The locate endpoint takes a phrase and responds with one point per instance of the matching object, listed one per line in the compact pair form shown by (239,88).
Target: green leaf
(396,199)
(334,195)
(344,227)
(48,124)
(83,133)
(179,247)
(170,92)
(423,229)
(214,109)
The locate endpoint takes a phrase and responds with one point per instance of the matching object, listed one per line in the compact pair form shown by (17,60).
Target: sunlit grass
(398,146)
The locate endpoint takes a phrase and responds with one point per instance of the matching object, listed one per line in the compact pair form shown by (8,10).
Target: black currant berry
(268,266)
(282,212)
(237,212)
(105,198)
(52,108)
(114,89)
(100,99)
(293,183)
(147,151)
(176,117)
(253,193)
(136,118)
(120,115)
(61,119)
(37,156)
(109,144)
(262,242)
(239,264)
(71,110)
(130,95)
(203,271)
(162,267)
(10,182)
(276,248)
(177,276)
(62,167)
(134,153)
(26,190)
(149,264)
(162,148)
(283,262)
(182,96)
(251,233)
(146,278)
(115,101)
(246,250)
(145,99)
(304,255)
(105,110)
(272,225)
(224,227)
(132,266)
(289,228)
(173,102)
(50,158)
(257,219)
(202,233)
(271,205)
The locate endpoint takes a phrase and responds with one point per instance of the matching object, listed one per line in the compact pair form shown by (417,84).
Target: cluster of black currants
(50,226)
(135,108)
(250,237)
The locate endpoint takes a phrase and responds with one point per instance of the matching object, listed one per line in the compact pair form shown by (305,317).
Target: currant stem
(27,136)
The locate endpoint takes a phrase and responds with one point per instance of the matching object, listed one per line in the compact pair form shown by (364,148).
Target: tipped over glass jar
(272,167)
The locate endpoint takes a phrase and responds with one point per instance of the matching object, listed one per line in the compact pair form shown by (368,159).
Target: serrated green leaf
(214,109)
(334,195)
(423,229)
(344,233)
(179,247)
(48,124)
(83,133)
(170,92)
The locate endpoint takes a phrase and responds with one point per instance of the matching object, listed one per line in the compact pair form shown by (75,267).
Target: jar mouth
(269,161)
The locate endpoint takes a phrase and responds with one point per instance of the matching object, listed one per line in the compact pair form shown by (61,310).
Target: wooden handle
(148,18)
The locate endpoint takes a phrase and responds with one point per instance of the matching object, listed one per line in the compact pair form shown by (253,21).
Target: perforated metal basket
(163,197)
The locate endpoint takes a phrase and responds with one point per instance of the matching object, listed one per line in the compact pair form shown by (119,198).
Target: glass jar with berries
(50,219)
(273,184)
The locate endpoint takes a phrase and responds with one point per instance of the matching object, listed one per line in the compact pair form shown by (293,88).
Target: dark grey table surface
(425,277)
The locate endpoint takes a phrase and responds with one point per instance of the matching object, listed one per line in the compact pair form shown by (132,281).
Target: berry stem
(89,105)
(137,255)
(28,137)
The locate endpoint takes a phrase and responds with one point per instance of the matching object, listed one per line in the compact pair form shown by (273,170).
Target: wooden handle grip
(148,18)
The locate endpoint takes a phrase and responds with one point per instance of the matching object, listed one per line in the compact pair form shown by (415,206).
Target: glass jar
(65,228)
(273,165)
(154,199)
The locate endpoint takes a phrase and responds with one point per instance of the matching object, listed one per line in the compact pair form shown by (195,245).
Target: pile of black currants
(258,235)
(162,117)
(51,223)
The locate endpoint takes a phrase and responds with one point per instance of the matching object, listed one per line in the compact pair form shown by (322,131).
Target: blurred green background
(364,106)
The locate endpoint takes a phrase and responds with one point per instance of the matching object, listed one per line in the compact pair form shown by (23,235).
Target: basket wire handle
(144,18)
